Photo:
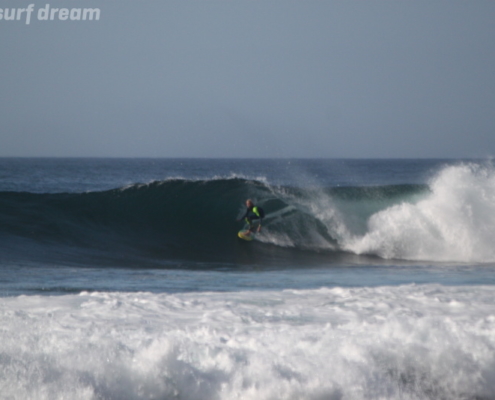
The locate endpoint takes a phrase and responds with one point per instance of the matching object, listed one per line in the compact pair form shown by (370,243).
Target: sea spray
(455,222)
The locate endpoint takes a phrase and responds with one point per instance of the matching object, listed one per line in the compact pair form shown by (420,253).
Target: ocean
(125,279)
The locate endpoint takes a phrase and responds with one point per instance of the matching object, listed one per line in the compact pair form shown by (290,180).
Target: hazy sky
(250,78)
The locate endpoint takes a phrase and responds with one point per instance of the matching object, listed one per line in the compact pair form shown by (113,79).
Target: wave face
(170,219)
(450,219)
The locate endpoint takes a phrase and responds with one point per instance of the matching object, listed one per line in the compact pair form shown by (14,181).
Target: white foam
(456,222)
(300,230)
(409,342)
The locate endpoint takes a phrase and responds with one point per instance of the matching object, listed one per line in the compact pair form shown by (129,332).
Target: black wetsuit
(253,213)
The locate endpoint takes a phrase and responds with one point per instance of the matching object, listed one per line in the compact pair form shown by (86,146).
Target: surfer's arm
(244,216)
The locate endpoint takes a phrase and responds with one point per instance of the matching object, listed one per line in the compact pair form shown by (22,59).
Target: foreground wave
(406,342)
(451,219)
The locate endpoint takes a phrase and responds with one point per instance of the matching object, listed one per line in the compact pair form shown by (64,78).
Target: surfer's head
(249,203)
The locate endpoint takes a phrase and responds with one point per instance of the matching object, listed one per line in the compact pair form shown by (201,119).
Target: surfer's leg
(249,222)
(252,226)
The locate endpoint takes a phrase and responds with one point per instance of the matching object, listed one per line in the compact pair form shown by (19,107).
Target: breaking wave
(454,222)
(450,219)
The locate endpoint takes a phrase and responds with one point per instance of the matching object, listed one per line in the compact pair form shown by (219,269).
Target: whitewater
(455,222)
(124,279)
(410,342)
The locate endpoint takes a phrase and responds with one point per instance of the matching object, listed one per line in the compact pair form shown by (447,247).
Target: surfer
(253,213)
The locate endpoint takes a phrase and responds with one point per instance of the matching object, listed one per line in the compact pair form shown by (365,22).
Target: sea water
(125,279)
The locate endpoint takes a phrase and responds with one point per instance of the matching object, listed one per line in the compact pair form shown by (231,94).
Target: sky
(248,78)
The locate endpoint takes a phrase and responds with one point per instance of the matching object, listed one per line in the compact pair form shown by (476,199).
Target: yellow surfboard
(243,235)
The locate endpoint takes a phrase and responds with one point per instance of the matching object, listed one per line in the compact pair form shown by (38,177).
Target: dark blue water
(169,225)
(51,175)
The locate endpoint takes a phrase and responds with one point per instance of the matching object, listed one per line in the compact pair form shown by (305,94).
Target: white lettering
(11,16)
(75,14)
(53,11)
(19,13)
(29,11)
(91,12)
(63,14)
(47,13)
(43,13)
